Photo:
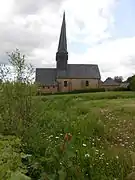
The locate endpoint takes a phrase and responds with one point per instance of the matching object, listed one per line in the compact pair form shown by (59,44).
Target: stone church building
(67,77)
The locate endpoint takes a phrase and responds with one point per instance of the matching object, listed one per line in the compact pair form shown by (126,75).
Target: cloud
(114,57)
(90,20)
(34,27)
(34,6)
(29,33)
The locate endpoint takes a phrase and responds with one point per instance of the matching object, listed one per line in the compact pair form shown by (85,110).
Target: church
(67,77)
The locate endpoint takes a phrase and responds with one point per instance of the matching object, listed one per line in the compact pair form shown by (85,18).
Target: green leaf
(62,175)
(19,176)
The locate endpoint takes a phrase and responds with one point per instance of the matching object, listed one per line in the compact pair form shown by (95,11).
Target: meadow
(65,137)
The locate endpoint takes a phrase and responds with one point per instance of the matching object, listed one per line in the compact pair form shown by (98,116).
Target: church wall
(48,89)
(75,84)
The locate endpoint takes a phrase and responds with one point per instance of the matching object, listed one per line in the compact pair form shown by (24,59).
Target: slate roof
(82,71)
(62,47)
(47,76)
(110,81)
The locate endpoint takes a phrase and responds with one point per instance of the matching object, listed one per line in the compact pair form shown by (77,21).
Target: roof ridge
(46,68)
(85,64)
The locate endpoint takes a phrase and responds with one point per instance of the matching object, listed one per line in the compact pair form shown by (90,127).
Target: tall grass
(65,137)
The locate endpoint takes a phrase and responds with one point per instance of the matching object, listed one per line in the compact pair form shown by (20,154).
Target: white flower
(50,136)
(57,137)
(84,145)
(87,155)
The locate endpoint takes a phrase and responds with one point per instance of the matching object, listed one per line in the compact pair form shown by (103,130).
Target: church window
(65,83)
(87,83)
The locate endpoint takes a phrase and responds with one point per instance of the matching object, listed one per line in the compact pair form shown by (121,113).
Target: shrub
(74,91)
(132,84)
(121,89)
(10,157)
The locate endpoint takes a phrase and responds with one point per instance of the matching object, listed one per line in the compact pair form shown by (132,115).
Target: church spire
(62,54)
(63,39)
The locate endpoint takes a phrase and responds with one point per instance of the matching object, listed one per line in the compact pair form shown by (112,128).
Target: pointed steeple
(62,47)
(62,54)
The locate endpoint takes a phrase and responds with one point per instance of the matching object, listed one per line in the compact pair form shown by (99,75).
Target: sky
(98,32)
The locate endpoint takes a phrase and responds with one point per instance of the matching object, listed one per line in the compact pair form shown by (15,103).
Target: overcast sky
(98,31)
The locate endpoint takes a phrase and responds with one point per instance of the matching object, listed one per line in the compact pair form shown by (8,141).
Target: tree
(23,72)
(131,81)
(16,94)
(118,79)
(4,72)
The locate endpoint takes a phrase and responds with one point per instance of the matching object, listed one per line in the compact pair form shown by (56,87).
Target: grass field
(82,136)
(103,131)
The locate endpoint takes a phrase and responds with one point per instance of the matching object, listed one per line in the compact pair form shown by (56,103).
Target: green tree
(23,71)
(132,83)
(118,79)
(16,105)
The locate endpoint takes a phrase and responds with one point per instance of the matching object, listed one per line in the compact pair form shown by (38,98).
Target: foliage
(118,79)
(79,136)
(75,91)
(88,154)
(10,157)
(121,89)
(92,96)
(23,71)
(17,108)
(101,139)
(132,83)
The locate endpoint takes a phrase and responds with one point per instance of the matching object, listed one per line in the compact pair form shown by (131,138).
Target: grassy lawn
(103,131)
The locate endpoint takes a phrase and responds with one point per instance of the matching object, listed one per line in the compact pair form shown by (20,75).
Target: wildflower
(122,144)
(68,137)
(57,137)
(50,136)
(117,157)
(87,155)
(84,145)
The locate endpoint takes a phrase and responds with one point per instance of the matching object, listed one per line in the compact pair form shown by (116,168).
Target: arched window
(87,83)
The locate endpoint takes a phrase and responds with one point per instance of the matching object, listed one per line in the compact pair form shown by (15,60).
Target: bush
(132,84)
(10,157)
(121,89)
(73,92)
